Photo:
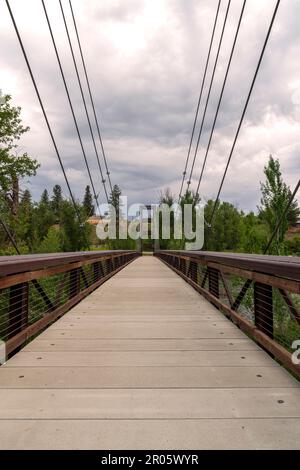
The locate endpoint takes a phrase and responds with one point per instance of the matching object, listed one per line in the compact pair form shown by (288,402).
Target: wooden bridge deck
(146,362)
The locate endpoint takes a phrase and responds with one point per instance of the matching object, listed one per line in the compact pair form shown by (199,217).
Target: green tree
(275,196)
(25,228)
(13,163)
(225,232)
(166,197)
(26,200)
(45,199)
(293,246)
(75,234)
(193,199)
(56,199)
(114,200)
(52,241)
(88,202)
(254,234)
(44,216)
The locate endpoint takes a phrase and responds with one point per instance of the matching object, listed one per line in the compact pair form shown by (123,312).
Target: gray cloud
(145,60)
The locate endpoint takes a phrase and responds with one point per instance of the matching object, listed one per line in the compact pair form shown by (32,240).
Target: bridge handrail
(281,266)
(259,293)
(37,289)
(21,263)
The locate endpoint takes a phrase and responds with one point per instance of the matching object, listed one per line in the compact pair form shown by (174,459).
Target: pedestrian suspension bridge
(177,350)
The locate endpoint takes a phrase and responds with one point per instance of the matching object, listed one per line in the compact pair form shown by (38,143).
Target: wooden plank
(145,332)
(240,344)
(151,434)
(149,403)
(136,328)
(98,377)
(147,358)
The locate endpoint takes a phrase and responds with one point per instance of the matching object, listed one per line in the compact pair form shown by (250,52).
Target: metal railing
(259,293)
(37,289)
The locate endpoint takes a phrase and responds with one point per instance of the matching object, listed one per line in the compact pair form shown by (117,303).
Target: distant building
(94,220)
(293,230)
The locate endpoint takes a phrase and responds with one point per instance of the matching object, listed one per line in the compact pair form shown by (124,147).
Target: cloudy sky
(146,59)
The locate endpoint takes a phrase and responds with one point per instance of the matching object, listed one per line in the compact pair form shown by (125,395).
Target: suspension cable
(90,95)
(83,98)
(245,109)
(199,99)
(8,233)
(208,95)
(43,109)
(221,96)
(70,103)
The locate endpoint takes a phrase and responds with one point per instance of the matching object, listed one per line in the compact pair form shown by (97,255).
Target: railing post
(263,308)
(74,282)
(213,281)
(18,308)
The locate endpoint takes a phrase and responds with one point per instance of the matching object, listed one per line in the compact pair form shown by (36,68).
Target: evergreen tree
(56,199)
(45,198)
(26,200)
(114,200)
(166,198)
(88,202)
(44,215)
(25,230)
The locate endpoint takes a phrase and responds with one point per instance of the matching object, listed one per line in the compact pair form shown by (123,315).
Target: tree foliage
(51,223)
(114,201)
(275,197)
(233,230)
(13,163)
(56,200)
(88,205)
